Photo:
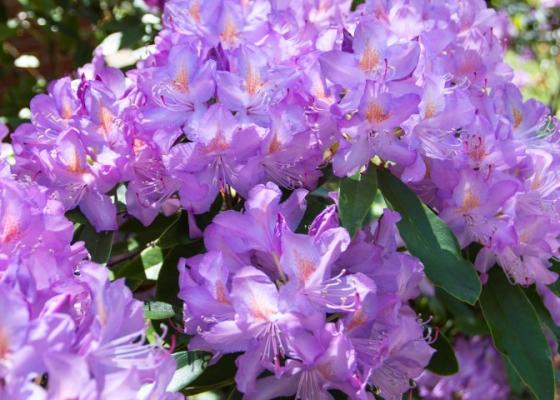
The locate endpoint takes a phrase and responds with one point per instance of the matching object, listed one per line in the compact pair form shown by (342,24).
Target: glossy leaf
(167,285)
(430,239)
(555,287)
(517,333)
(216,375)
(465,319)
(176,234)
(190,365)
(515,383)
(542,312)
(443,361)
(158,310)
(143,266)
(99,244)
(355,197)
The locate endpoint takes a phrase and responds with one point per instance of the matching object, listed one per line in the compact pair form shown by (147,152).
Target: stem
(201,389)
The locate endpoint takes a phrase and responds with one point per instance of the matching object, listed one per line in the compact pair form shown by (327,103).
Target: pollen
(517,118)
(194,11)
(138,145)
(536,183)
(260,310)
(431,109)
(370,59)
(305,267)
(320,94)
(74,163)
(229,34)
(4,343)
(253,82)
(106,118)
(221,293)
(181,81)
(470,201)
(10,230)
(357,320)
(375,113)
(476,148)
(218,144)
(66,109)
(275,145)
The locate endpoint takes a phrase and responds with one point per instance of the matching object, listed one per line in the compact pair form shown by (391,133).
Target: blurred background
(41,40)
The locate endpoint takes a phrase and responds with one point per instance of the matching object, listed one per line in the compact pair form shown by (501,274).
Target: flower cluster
(481,376)
(65,331)
(77,144)
(425,87)
(241,93)
(246,98)
(316,310)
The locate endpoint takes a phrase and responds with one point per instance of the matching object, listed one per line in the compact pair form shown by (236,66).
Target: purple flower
(214,160)
(481,374)
(61,314)
(267,292)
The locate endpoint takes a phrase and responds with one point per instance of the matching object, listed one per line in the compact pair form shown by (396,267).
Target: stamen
(308,386)
(336,293)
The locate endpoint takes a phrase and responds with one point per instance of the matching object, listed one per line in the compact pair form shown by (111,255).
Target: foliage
(267,206)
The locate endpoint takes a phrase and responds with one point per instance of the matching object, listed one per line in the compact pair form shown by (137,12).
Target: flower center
(369,60)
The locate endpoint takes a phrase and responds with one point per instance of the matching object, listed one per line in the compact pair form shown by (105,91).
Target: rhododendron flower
(267,292)
(482,374)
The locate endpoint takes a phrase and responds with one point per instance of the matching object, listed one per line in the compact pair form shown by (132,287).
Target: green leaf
(167,285)
(216,375)
(430,239)
(356,3)
(315,205)
(176,234)
(517,333)
(464,317)
(147,234)
(443,361)
(152,261)
(542,311)
(190,365)
(555,287)
(355,197)
(158,310)
(99,244)
(515,383)
(76,216)
(144,266)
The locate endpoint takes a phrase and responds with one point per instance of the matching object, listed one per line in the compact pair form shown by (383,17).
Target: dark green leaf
(168,279)
(517,333)
(98,243)
(465,319)
(315,205)
(147,234)
(190,365)
(356,3)
(143,266)
(355,197)
(158,310)
(542,311)
(176,234)
(76,216)
(443,361)
(515,383)
(555,287)
(203,220)
(216,374)
(430,239)
(133,272)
